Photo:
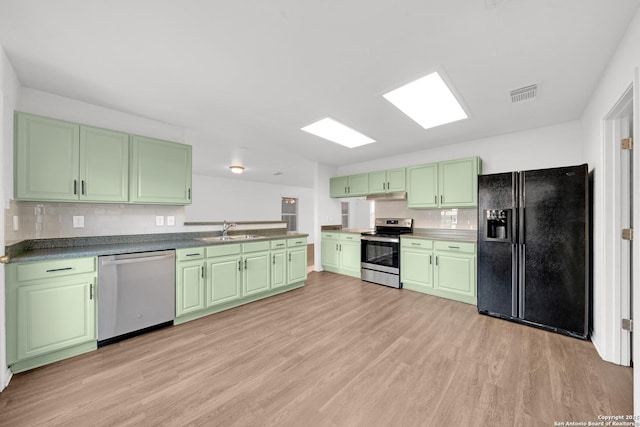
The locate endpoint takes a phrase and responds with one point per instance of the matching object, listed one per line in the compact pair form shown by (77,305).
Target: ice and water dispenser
(498,224)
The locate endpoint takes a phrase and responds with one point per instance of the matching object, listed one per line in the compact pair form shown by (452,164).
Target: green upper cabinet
(104,165)
(422,186)
(160,172)
(47,158)
(349,186)
(387,181)
(458,183)
(450,184)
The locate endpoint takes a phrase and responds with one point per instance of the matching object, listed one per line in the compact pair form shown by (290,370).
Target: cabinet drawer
(255,246)
(224,249)
(453,246)
(278,244)
(407,242)
(190,254)
(330,235)
(300,241)
(47,269)
(345,237)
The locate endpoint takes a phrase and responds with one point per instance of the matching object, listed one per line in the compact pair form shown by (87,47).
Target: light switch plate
(159,220)
(171,220)
(78,221)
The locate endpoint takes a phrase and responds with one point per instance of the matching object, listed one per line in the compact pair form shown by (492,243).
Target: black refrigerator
(533,248)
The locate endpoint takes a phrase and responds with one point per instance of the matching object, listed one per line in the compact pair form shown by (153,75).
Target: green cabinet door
(416,269)
(297,265)
(329,253)
(223,278)
(350,258)
(256,274)
(358,185)
(189,287)
(54,315)
(278,269)
(338,186)
(454,275)
(160,172)
(458,183)
(47,155)
(377,182)
(396,180)
(422,186)
(104,165)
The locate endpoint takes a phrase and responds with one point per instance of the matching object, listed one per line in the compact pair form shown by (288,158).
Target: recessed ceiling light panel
(333,131)
(428,101)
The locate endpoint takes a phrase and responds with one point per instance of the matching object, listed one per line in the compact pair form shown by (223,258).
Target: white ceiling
(244,76)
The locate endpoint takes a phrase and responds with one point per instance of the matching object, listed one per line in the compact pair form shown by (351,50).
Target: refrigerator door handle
(521,281)
(515,294)
(521,204)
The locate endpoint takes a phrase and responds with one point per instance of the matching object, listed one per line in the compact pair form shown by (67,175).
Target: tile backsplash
(44,220)
(461,219)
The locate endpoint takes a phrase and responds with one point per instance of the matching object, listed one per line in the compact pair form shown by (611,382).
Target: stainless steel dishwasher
(136,292)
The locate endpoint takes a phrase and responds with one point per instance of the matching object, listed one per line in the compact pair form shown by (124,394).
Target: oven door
(380,253)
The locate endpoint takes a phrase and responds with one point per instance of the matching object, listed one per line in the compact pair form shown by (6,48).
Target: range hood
(381,197)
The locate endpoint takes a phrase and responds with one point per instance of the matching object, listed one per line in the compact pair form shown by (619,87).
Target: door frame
(635,262)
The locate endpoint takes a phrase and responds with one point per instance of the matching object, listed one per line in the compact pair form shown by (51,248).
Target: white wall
(545,147)
(216,199)
(9,92)
(618,76)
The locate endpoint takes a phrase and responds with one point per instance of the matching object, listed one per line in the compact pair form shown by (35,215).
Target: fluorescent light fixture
(428,101)
(337,132)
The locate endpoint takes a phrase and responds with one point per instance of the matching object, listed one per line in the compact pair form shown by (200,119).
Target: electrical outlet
(159,220)
(78,221)
(16,223)
(171,220)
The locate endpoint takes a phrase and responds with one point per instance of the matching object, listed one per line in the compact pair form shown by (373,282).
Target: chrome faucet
(225,227)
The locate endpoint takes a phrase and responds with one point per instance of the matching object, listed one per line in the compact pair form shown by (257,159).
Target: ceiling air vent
(526,93)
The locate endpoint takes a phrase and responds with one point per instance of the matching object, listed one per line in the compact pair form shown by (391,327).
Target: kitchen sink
(230,238)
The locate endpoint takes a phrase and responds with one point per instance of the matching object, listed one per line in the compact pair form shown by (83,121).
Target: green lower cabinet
(416,264)
(256,274)
(297,265)
(278,269)
(442,268)
(341,253)
(189,287)
(223,280)
(50,315)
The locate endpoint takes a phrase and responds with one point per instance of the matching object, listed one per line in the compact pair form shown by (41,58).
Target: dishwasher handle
(135,260)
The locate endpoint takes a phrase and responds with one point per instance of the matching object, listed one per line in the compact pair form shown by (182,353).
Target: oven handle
(381,239)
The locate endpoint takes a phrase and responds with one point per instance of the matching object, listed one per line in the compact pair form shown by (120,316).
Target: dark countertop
(49,249)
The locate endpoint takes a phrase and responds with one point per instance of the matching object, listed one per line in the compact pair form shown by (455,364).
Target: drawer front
(300,241)
(255,246)
(57,268)
(189,254)
(349,237)
(330,235)
(278,244)
(452,246)
(407,242)
(223,249)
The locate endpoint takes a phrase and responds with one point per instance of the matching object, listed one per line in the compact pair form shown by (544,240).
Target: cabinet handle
(345,190)
(349,188)
(384,185)
(59,269)
(274,260)
(280,245)
(435,199)
(454,247)
(239,265)
(189,194)
(436,260)
(91,291)
(194,254)
(289,257)
(337,247)
(441,199)
(202,271)
(245,264)
(388,186)
(340,247)
(429,259)
(415,244)
(75,186)
(83,187)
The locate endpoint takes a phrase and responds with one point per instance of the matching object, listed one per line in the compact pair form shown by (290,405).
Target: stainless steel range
(380,251)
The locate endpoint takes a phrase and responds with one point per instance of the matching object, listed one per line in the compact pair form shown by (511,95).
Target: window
(290,212)
(345,214)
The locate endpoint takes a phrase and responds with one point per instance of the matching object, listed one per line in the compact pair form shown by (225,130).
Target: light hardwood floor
(338,352)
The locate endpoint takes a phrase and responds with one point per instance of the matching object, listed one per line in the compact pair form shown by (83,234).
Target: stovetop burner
(391,227)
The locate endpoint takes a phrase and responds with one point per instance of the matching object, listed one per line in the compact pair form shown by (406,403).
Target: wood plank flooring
(338,352)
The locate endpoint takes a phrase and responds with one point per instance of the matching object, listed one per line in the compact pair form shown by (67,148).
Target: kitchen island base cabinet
(51,309)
